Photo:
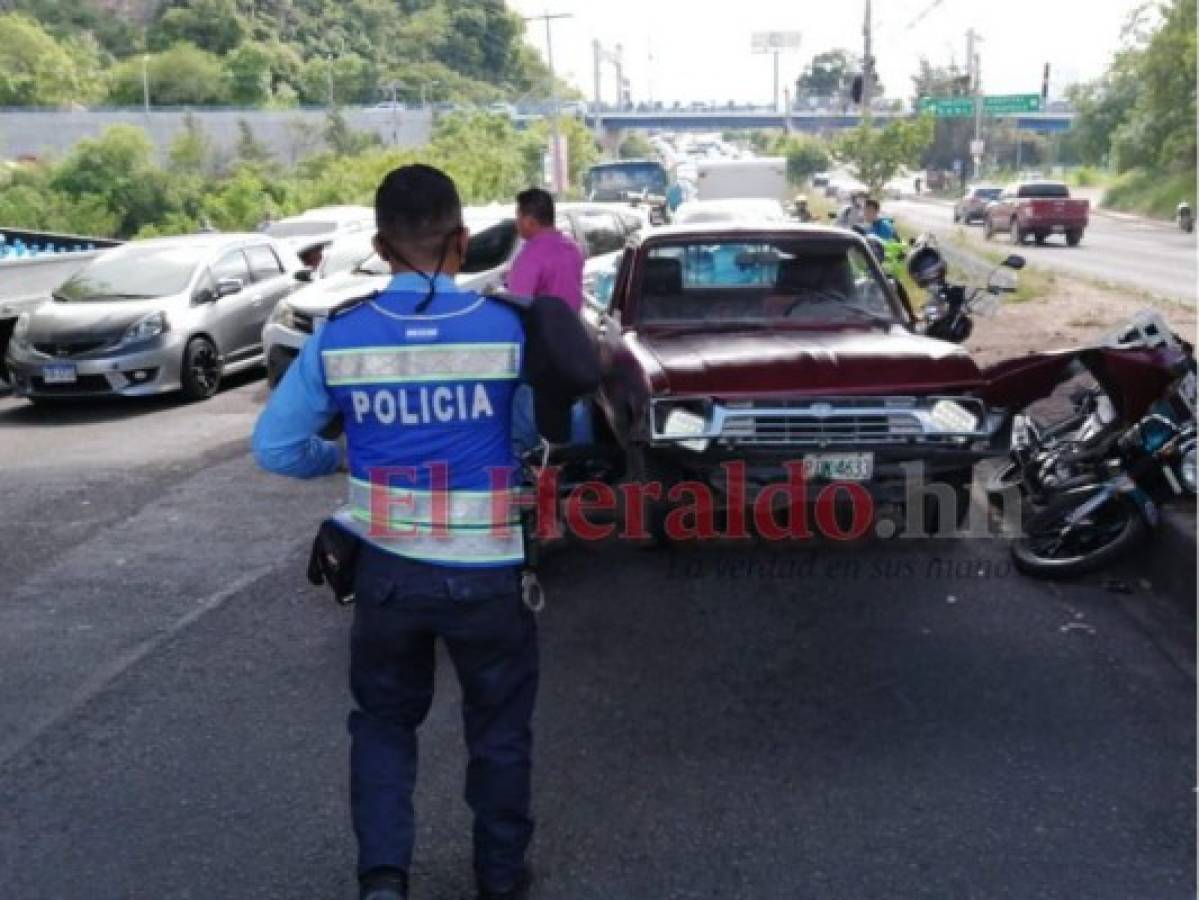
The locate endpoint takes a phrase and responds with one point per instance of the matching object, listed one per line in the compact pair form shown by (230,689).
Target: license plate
(59,373)
(1058,229)
(838,466)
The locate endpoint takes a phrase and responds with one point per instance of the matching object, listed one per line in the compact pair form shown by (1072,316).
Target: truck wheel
(1017,232)
(1073,237)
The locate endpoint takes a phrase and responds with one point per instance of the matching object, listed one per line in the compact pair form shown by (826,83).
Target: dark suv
(972,207)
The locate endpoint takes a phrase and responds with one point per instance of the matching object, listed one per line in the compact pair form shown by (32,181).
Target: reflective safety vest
(427,405)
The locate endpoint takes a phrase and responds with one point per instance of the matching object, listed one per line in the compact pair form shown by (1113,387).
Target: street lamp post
(555,152)
(146,82)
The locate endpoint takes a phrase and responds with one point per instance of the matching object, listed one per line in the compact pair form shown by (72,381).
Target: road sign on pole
(963,107)
(1009,104)
(771,41)
(948,107)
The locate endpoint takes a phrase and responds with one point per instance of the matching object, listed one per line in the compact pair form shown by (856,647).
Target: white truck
(759,177)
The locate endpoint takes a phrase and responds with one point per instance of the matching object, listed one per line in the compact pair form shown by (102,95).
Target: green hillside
(262,52)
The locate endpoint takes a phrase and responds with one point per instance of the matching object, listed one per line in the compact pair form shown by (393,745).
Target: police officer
(423,376)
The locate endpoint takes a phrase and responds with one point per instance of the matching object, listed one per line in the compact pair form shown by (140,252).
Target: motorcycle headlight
(681,423)
(144,329)
(1186,470)
(283,314)
(949,415)
(20,332)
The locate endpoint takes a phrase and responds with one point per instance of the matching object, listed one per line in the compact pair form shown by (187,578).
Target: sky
(701,48)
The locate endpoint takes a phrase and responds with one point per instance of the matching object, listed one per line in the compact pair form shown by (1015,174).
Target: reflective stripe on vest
(462,546)
(401,507)
(431,363)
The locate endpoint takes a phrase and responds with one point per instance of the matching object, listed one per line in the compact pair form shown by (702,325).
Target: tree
(191,151)
(635,146)
(829,75)
(250,71)
(36,70)
(1141,113)
(118,167)
(249,149)
(876,155)
(805,157)
(181,76)
(212,24)
(951,137)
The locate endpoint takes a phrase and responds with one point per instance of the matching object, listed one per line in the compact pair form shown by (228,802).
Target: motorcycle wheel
(1111,531)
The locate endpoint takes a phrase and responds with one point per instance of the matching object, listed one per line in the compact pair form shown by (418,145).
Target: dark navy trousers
(401,608)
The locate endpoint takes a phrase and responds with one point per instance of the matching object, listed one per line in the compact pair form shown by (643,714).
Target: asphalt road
(903,720)
(1147,256)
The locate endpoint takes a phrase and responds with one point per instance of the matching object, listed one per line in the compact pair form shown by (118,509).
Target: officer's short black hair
(537,204)
(872,203)
(416,208)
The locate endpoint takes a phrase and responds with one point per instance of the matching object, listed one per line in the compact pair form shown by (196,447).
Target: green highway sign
(963,107)
(948,107)
(1008,104)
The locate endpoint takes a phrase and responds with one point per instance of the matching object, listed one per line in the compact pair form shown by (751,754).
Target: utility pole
(146,83)
(867,65)
(556,152)
(775,95)
(329,78)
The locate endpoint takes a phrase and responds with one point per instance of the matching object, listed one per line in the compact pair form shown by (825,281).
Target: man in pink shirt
(550,264)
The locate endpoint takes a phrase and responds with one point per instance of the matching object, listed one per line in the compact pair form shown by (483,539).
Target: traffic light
(1045,84)
(855,89)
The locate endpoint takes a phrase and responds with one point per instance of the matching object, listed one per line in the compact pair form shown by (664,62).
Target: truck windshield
(763,282)
(613,182)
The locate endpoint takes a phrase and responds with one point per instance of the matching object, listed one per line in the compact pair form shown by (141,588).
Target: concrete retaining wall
(290,134)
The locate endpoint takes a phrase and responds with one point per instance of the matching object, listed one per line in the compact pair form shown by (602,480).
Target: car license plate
(1058,229)
(838,466)
(59,373)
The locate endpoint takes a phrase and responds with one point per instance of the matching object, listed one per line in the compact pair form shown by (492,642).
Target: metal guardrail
(26,279)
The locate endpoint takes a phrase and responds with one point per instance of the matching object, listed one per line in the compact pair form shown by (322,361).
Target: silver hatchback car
(169,314)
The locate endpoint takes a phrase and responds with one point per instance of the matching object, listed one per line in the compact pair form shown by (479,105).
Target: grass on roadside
(1151,193)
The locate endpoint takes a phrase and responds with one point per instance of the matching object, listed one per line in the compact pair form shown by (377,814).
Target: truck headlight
(144,329)
(680,423)
(283,314)
(949,415)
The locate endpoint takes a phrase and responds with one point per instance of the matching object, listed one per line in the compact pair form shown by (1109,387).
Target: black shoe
(384,884)
(518,891)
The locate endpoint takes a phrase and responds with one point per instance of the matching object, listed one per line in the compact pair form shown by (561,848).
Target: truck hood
(803,363)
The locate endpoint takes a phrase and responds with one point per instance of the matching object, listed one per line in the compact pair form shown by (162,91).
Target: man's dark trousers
(401,608)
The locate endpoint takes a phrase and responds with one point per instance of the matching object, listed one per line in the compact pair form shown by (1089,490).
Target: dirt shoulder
(1067,312)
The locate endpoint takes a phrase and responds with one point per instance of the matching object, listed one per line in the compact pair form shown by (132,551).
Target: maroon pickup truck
(1039,209)
(773,344)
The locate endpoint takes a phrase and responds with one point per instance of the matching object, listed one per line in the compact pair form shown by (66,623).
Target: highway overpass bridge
(725,120)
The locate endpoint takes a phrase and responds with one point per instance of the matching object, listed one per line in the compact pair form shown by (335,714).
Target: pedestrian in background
(549,264)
